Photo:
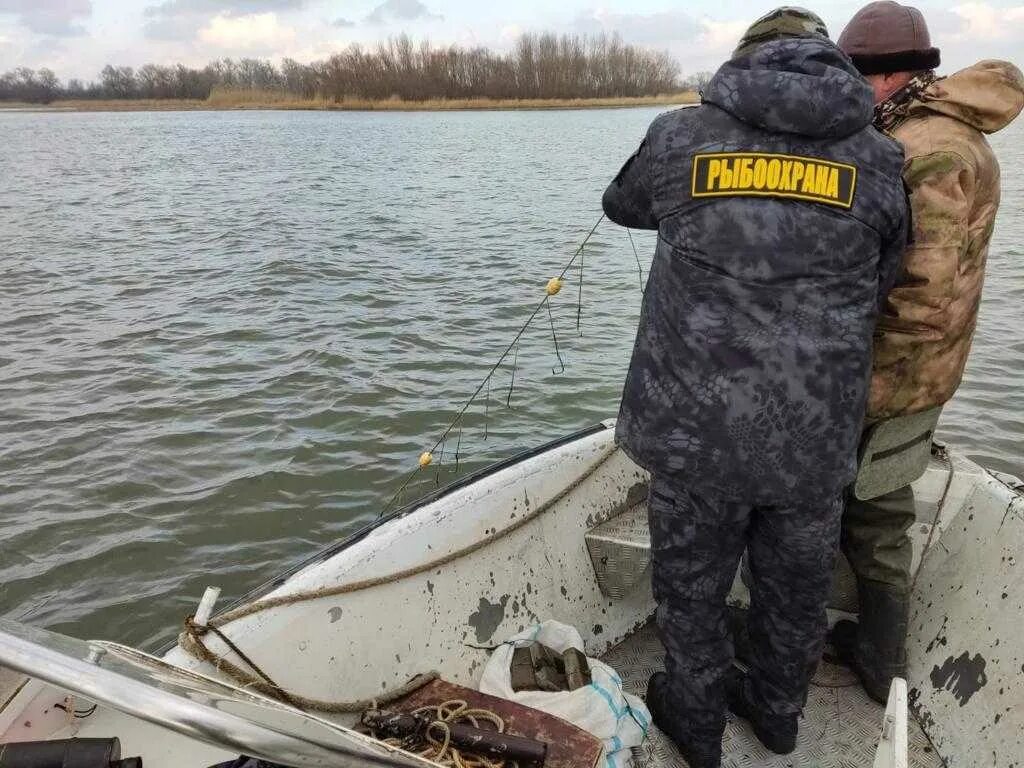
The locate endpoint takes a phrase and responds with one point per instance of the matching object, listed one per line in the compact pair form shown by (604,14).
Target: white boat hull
(510,551)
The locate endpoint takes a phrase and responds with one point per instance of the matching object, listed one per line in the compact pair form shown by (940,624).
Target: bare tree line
(539,66)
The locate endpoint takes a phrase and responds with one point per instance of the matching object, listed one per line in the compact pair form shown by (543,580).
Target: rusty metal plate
(568,746)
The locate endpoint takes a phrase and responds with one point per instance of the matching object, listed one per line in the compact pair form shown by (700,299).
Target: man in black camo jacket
(781,219)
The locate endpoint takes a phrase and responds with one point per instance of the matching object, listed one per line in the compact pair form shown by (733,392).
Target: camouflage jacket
(782,219)
(925,332)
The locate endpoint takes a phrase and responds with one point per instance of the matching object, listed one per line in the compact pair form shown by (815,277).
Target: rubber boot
(776,733)
(876,647)
(700,750)
(736,621)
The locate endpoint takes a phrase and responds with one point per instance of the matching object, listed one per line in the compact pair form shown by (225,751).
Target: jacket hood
(987,96)
(804,86)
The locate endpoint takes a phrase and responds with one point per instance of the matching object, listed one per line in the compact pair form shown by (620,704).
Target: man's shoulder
(935,134)
(677,115)
(677,126)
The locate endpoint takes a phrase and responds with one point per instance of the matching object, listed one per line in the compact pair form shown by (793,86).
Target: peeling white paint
(966,642)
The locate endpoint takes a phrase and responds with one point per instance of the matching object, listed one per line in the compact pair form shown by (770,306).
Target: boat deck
(840,727)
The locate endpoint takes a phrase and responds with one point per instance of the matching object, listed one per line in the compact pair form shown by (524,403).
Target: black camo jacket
(782,219)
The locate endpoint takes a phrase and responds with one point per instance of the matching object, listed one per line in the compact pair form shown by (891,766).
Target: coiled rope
(435,741)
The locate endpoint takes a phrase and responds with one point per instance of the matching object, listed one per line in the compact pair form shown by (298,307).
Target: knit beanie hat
(885,37)
(787,21)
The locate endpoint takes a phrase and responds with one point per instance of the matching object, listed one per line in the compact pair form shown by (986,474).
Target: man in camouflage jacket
(781,221)
(924,333)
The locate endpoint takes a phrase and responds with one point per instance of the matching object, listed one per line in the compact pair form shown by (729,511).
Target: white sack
(619,719)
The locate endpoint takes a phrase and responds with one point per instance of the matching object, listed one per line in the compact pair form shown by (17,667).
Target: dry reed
(226,99)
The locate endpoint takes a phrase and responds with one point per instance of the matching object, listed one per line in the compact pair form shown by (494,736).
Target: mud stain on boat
(487,618)
(963,676)
(637,493)
(924,717)
(940,636)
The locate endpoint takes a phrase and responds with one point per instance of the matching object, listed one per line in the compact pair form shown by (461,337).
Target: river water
(225,337)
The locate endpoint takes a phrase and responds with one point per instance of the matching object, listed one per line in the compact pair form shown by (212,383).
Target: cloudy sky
(76,38)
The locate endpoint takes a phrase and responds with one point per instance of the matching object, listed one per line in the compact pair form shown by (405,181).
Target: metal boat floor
(840,727)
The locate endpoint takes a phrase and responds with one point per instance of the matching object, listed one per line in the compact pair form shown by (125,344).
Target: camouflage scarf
(893,111)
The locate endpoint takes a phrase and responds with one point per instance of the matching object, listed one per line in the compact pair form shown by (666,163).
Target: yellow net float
(426,458)
(554,286)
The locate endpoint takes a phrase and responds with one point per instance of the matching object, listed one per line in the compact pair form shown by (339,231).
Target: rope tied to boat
(195,631)
(192,642)
(433,741)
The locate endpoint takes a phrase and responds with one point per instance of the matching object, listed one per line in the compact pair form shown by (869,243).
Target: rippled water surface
(224,337)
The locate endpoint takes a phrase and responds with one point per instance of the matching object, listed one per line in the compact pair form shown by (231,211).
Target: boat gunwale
(330,550)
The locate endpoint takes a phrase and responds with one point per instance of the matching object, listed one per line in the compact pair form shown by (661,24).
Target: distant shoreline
(264,101)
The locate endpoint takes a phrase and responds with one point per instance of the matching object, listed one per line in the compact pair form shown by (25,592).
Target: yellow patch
(758,174)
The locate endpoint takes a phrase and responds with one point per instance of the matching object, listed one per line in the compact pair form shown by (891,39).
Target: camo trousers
(696,548)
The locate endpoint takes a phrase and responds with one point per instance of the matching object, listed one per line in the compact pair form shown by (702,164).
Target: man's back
(926,330)
(781,217)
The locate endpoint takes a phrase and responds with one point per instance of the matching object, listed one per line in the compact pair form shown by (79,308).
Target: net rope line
(427,457)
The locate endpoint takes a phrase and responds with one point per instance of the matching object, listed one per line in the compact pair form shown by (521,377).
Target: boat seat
(620,550)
